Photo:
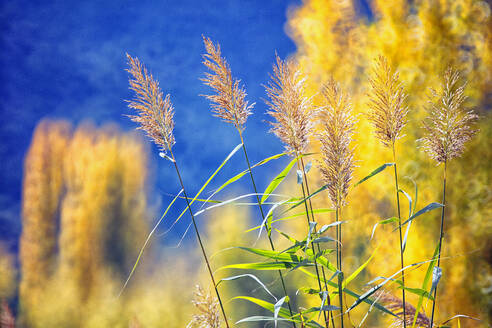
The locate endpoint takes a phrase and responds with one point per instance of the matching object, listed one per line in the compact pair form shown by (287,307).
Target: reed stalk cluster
(296,119)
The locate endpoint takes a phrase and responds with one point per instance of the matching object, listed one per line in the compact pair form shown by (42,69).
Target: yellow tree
(104,212)
(420,39)
(7,274)
(42,189)
(85,210)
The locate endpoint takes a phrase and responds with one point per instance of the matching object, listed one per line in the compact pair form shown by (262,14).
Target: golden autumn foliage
(421,40)
(84,209)
(225,230)
(42,190)
(85,206)
(8,274)
(103,212)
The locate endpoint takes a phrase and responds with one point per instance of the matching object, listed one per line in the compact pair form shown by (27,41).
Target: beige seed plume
(337,164)
(289,107)
(395,305)
(154,112)
(386,101)
(229,101)
(449,125)
(207,305)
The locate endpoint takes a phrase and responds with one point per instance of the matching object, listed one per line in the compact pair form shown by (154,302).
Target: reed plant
(337,159)
(388,116)
(296,120)
(155,115)
(448,127)
(293,125)
(229,104)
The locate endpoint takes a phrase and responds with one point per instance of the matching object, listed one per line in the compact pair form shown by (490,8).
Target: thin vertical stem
(401,240)
(263,217)
(318,247)
(440,239)
(312,244)
(339,264)
(200,241)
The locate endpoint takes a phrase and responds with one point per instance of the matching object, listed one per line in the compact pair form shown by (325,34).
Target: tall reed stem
(312,244)
(339,264)
(318,247)
(263,217)
(440,239)
(200,240)
(401,240)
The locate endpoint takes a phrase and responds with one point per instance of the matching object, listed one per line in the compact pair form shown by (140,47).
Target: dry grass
(290,108)
(155,112)
(449,124)
(208,308)
(229,101)
(337,163)
(395,305)
(7,319)
(388,112)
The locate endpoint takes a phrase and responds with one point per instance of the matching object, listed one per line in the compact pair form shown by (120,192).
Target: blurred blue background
(66,59)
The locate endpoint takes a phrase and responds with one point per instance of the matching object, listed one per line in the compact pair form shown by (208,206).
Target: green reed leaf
(208,181)
(263,266)
(373,173)
(319,210)
(250,276)
(459,316)
(358,270)
(277,180)
(302,200)
(312,226)
(430,207)
(371,291)
(243,173)
(321,309)
(349,292)
(284,313)
(418,292)
(278,306)
(427,278)
(322,260)
(146,242)
(274,255)
(385,221)
(257,318)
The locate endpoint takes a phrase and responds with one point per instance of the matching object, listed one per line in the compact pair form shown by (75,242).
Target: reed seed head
(154,112)
(395,305)
(386,101)
(208,306)
(337,122)
(229,101)
(449,124)
(289,107)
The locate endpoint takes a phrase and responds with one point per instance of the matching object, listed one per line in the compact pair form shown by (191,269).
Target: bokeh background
(81,190)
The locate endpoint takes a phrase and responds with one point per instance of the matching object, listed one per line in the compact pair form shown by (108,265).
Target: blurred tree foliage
(84,210)
(8,274)
(85,200)
(420,39)
(42,192)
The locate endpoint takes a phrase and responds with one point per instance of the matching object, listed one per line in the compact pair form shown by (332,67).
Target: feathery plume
(395,305)
(7,319)
(337,122)
(449,125)
(388,113)
(289,107)
(208,307)
(229,101)
(155,112)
